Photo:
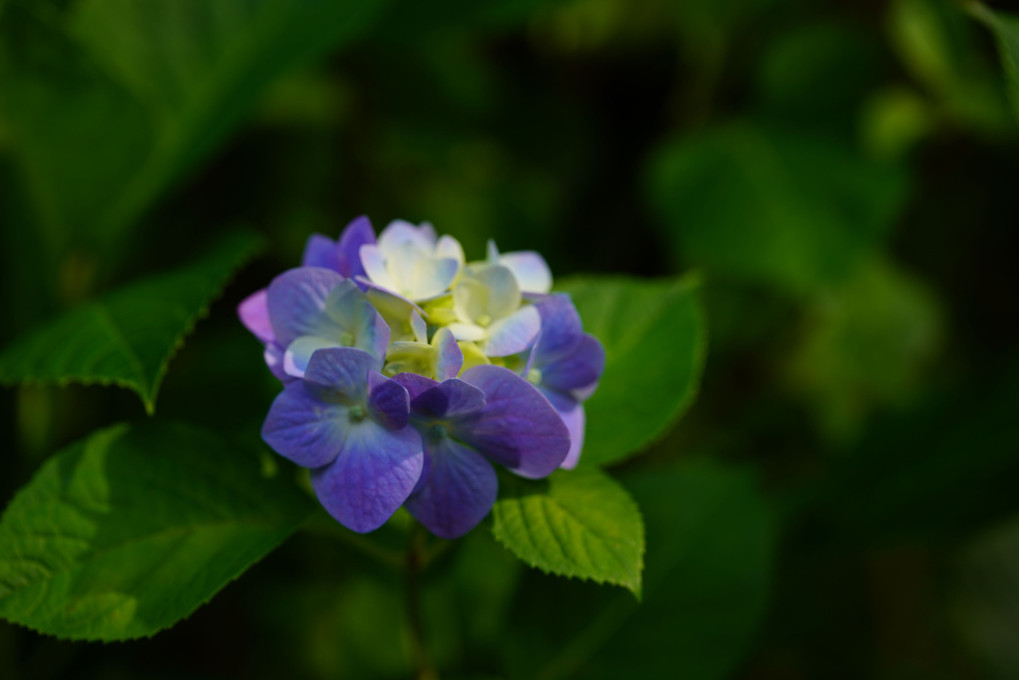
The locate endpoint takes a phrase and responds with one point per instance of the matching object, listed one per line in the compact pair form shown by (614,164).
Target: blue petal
(342,370)
(305,427)
(296,301)
(572,413)
(451,398)
(450,357)
(458,491)
(356,234)
(298,353)
(513,334)
(518,427)
(355,321)
(580,369)
(371,477)
(415,384)
(273,356)
(560,329)
(320,251)
(388,401)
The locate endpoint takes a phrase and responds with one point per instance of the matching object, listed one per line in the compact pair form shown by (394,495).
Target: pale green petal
(467,331)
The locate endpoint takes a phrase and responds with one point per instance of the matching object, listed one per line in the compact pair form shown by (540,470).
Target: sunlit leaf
(579,523)
(129,531)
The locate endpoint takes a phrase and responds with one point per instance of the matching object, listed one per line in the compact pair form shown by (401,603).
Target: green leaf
(1006,30)
(129,531)
(866,344)
(711,538)
(579,523)
(655,339)
(113,100)
(127,337)
(766,205)
(940,49)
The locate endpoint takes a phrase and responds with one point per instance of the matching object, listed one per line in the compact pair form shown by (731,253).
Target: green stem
(415,562)
(321,524)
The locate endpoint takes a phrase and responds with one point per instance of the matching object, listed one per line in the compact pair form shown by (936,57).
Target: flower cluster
(408,371)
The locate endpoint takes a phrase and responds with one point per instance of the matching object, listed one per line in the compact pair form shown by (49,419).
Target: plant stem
(415,561)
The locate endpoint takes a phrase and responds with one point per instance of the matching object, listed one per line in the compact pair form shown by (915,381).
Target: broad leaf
(1006,30)
(866,344)
(579,523)
(655,340)
(127,337)
(766,205)
(710,551)
(113,100)
(942,50)
(129,531)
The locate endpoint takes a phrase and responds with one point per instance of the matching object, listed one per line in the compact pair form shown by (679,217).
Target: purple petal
(343,370)
(457,493)
(451,358)
(348,251)
(579,369)
(415,384)
(296,301)
(254,314)
(388,401)
(371,477)
(449,399)
(514,334)
(560,329)
(518,427)
(320,251)
(305,428)
(573,416)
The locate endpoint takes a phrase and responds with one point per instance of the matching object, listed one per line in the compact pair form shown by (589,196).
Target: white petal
(513,334)
(374,263)
(399,232)
(448,246)
(298,354)
(419,327)
(467,331)
(530,269)
(493,252)
(503,291)
(432,278)
(470,298)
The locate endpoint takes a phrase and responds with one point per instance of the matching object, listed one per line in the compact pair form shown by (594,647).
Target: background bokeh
(840,501)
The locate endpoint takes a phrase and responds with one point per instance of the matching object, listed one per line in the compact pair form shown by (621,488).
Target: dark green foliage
(824,487)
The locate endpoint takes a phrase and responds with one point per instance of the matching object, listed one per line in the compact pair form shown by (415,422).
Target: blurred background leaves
(838,501)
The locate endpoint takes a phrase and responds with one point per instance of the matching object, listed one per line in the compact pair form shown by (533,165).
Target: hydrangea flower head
(407,374)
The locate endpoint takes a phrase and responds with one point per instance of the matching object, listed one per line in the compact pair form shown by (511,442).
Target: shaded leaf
(121,97)
(655,339)
(867,344)
(765,205)
(579,523)
(127,337)
(129,531)
(1006,30)
(711,539)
